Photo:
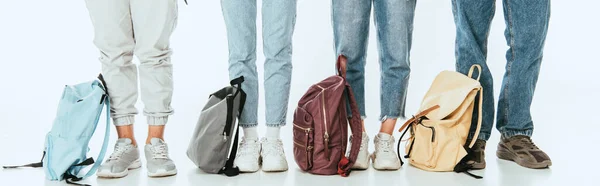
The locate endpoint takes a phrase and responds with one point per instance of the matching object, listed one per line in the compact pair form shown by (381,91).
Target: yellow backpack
(439,132)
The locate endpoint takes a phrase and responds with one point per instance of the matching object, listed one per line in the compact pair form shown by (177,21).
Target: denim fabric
(526,28)
(279,18)
(394,23)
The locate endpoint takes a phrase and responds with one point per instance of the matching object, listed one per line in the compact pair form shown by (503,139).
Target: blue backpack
(66,145)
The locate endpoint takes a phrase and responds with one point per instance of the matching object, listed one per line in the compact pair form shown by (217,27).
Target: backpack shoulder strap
(479,118)
(346,163)
(230,169)
(102,153)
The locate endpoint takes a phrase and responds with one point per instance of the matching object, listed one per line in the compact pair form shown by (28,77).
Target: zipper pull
(326,145)
(224,136)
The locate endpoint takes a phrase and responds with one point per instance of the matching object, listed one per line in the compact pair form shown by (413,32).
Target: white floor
(50,44)
(572,166)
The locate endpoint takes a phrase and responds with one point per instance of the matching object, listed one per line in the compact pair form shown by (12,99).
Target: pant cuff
(157,121)
(248,125)
(275,124)
(386,117)
(511,133)
(363,117)
(482,136)
(124,121)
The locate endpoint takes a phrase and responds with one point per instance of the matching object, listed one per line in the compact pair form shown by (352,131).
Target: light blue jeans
(394,23)
(279,18)
(526,28)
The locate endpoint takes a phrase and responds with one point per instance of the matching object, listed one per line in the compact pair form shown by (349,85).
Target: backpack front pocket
(422,147)
(303,139)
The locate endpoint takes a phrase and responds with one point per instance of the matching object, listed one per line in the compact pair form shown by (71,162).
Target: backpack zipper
(302,128)
(326,136)
(308,148)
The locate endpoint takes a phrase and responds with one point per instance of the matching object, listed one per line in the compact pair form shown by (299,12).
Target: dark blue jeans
(526,28)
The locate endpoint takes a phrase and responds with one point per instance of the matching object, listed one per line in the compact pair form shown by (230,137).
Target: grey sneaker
(124,157)
(158,162)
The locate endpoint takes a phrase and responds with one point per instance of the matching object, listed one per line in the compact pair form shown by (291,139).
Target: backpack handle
(104,85)
(341,65)
(473,69)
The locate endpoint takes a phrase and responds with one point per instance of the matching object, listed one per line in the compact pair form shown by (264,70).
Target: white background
(47,44)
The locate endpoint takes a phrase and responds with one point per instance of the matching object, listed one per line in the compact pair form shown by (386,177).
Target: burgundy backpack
(321,126)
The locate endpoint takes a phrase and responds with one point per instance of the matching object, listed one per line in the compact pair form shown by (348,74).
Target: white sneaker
(362,161)
(384,157)
(273,156)
(248,155)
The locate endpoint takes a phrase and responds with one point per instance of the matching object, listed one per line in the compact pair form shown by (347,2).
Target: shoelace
(248,148)
(119,151)
(159,152)
(362,144)
(272,147)
(385,145)
(528,142)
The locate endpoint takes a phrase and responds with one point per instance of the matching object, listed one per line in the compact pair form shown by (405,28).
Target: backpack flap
(448,90)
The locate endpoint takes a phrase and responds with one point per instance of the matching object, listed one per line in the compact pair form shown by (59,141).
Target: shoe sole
(361,166)
(270,169)
(478,166)
(510,156)
(386,167)
(248,170)
(136,164)
(252,170)
(162,173)
(358,166)
(279,169)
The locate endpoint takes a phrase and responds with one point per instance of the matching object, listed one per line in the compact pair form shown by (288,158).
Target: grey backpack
(213,146)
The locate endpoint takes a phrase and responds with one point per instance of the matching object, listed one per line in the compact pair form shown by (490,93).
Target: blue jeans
(279,17)
(526,27)
(394,22)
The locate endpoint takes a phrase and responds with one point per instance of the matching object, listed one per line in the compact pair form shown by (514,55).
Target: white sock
(273,133)
(384,136)
(251,133)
